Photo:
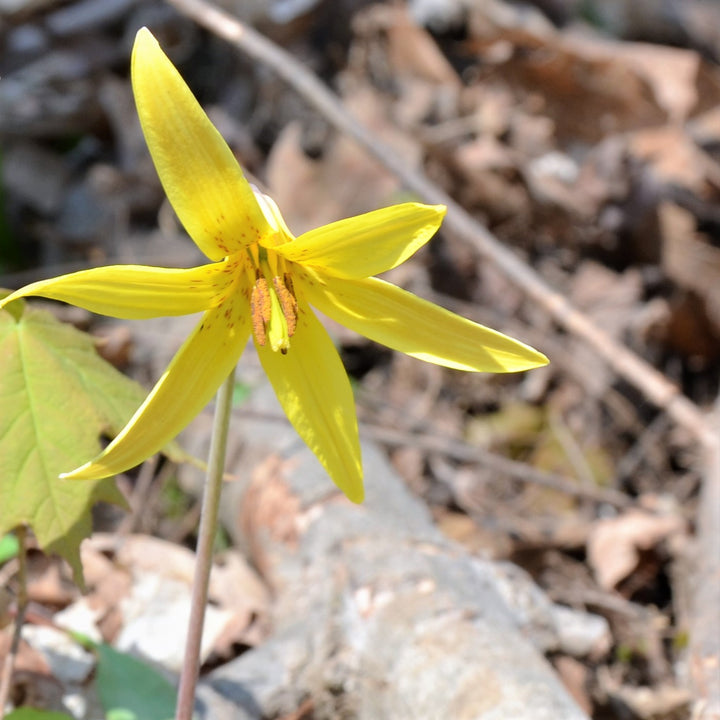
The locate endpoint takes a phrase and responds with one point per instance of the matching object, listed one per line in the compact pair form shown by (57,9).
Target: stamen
(274,308)
(289,285)
(288,302)
(260,305)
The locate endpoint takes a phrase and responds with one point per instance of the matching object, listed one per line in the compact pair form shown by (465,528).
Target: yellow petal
(200,174)
(402,321)
(368,244)
(313,389)
(134,292)
(195,373)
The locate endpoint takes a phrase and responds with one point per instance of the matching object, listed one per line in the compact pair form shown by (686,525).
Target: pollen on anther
(288,302)
(260,307)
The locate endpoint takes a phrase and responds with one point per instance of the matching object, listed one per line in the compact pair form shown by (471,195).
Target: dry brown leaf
(614,544)
(479,538)
(492,107)
(27,660)
(670,72)
(674,159)
(576,678)
(612,301)
(109,584)
(661,701)
(411,50)
(705,128)
(151,554)
(114,343)
(688,259)
(236,586)
(150,573)
(49,582)
(582,85)
(345,181)
(554,179)
(155,555)
(482,154)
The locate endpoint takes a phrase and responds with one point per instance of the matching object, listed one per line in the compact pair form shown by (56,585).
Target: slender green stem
(21,605)
(206,539)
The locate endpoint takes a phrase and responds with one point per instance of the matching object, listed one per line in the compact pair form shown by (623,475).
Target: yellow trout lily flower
(262,282)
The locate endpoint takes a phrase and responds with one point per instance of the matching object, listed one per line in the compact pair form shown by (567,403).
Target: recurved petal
(195,373)
(200,174)
(135,292)
(368,244)
(313,389)
(402,321)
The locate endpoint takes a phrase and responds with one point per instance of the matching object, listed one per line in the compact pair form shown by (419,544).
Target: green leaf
(27,713)
(9,547)
(57,396)
(130,689)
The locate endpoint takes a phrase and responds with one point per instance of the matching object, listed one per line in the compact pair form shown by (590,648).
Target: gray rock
(377,614)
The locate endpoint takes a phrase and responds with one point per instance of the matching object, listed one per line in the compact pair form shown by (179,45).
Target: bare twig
(138,498)
(459,450)
(705,595)
(653,384)
(22,603)
(650,382)
(463,452)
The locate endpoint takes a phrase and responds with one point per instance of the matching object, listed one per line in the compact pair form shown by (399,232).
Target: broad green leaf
(57,397)
(9,547)
(129,689)
(27,713)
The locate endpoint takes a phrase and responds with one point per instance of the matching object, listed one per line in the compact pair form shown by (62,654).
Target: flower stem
(206,540)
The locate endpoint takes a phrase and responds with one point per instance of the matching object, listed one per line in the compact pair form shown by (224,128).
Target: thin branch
(653,384)
(632,368)
(705,589)
(463,452)
(459,450)
(21,603)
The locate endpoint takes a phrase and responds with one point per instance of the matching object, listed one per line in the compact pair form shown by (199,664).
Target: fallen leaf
(674,159)
(670,72)
(576,678)
(614,544)
(688,259)
(412,52)
(344,181)
(28,659)
(153,577)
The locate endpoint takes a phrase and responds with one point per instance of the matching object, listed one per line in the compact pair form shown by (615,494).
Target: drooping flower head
(263,282)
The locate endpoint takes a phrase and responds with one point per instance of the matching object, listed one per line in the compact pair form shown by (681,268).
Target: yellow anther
(288,302)
(260,308)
